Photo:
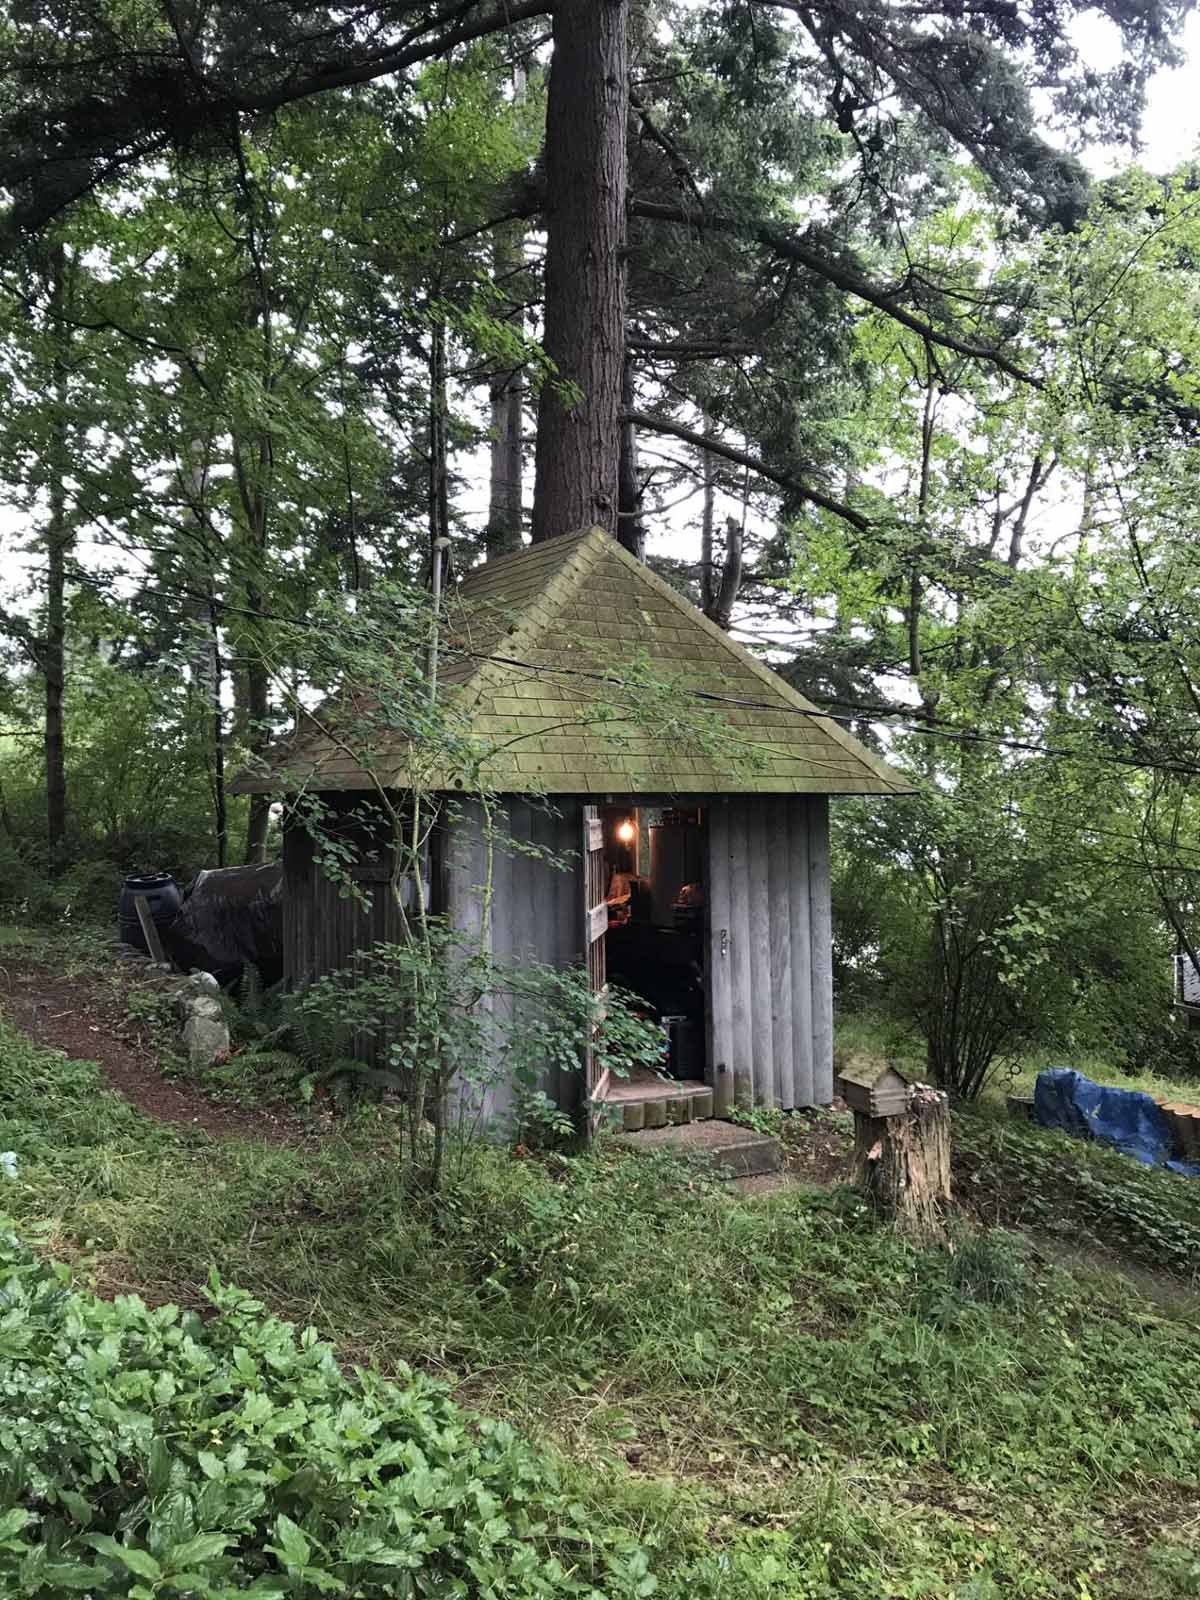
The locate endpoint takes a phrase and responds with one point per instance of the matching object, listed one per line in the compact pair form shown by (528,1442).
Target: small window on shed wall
(360,834)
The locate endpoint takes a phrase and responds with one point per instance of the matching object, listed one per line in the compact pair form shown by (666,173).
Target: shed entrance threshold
(644,1100)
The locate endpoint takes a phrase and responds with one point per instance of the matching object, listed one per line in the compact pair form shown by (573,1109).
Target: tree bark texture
(255,464)
(578,433)
(631,527)
(507,466)
(902,1164)
(507,394)
(708,571)
(721,608)
(58,542)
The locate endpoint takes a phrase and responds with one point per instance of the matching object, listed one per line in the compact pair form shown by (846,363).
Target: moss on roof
(581,671)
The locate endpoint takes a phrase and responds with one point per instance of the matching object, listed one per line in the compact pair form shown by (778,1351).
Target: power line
(872,713)
(882,716)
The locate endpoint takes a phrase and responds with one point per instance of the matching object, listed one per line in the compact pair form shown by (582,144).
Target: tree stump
(902,1164)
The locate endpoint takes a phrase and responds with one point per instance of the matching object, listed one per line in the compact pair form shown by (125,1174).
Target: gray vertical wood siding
(770,988)
(770,954)
(536,911)
(323,927)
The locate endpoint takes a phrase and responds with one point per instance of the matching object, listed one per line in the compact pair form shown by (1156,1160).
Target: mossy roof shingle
(581,671)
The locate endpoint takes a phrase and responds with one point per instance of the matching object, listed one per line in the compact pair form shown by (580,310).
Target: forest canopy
(816,307)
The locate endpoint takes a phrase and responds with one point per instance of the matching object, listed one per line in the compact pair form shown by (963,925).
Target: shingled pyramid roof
(541,648)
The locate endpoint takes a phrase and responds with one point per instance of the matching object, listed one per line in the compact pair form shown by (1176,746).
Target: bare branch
(742,458)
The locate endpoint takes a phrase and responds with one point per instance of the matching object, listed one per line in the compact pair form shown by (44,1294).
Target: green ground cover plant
(768,1398)
(149,1452)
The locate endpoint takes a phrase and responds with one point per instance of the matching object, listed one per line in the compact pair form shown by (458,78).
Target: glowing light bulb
(625,832)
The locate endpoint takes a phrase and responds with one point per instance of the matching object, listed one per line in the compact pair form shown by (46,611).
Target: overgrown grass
(779,1398)
(1016,1174)
(877,1036)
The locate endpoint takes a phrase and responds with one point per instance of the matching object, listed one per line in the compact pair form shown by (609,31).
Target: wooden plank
(821,923)
(519,907)
(149,932)
(567,945)
(800,943)
(525,901)
(762,999)
(594,933)
(744,1087)
(498,931)
(778,826)
(719,995)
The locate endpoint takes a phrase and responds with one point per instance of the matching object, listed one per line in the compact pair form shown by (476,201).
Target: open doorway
(655,894)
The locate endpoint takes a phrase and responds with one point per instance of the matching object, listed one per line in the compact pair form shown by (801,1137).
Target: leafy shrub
(452,1025)
(283,1050)
(148,1452)
(1026,1176)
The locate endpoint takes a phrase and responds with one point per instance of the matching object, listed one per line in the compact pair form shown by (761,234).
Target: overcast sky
(1171,130)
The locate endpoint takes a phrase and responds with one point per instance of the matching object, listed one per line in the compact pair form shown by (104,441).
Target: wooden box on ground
(872,1087)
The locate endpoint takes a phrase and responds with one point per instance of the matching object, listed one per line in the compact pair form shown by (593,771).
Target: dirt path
(87,1020)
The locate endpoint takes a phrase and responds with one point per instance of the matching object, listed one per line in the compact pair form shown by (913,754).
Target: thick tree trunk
(507,396)
(217,722)
(58,541)
(708,570)
(258,708)
(631,528)
(504,504)
(902,1164)
(54,675)
(255,470)
(578,434)
(204,656)
(439,464)
(721,610)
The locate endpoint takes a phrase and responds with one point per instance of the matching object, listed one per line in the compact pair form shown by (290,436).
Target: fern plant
(286,1051)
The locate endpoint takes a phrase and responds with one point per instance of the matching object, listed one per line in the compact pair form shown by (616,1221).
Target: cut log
(902,1164)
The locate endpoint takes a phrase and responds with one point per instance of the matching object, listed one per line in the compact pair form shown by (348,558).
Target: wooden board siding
(321,927)
(536,907)
(769,957)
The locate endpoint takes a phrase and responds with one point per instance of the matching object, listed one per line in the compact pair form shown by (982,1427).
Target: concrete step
(734,1151)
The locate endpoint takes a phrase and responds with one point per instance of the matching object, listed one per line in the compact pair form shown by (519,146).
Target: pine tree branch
(839,273)
(743,458)
(156,100)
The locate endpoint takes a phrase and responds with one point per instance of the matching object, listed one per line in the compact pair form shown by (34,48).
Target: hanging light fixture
(626,831)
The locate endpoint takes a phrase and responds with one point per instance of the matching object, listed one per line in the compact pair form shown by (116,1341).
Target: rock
(207,1006)
(204,982)
(205,1033)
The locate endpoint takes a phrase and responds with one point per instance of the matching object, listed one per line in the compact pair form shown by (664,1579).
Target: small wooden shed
(700,874)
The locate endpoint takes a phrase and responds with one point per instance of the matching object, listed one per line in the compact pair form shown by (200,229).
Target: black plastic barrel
(162,896)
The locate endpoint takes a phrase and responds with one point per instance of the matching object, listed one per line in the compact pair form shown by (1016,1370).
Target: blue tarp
(1126,1118)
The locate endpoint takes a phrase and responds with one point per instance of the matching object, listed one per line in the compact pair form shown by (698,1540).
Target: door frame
(595,952)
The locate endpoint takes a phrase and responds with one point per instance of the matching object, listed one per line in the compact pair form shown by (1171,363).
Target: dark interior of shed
(654,857)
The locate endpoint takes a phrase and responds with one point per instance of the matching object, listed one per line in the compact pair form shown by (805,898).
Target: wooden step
(734,1151)
(687,1103)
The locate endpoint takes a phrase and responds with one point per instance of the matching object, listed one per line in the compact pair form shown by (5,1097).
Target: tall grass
(783,1399)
